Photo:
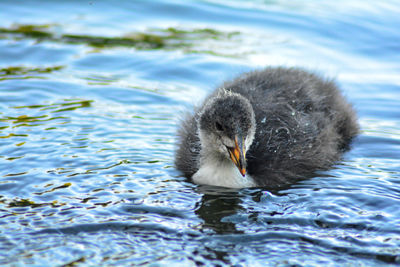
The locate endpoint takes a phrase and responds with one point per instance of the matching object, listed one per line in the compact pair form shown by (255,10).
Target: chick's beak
(238,155)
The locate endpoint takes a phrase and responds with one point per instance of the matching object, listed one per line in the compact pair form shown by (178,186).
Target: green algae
(73,105)
(68,105)
(25,72)
(22,70)
(65,185)
(170,38)
(13,135)
(24,202)
(195,34)
(27,30)
(140,41)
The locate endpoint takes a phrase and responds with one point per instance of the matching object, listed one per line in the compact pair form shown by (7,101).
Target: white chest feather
(221,173)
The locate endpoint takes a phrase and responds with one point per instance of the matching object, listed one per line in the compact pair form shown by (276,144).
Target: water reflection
(170,38)
(66,105)
(215,208)
(21,72)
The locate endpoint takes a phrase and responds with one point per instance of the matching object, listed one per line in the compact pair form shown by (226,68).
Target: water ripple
(90,102)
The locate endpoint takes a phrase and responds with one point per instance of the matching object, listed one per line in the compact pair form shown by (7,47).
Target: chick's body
(301,124)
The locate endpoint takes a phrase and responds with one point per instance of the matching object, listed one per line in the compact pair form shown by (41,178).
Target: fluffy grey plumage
(291,123)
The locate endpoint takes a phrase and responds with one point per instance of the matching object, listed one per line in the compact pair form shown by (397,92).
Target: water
(90,98)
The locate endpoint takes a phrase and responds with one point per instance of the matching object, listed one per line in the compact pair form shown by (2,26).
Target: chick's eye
(218,126)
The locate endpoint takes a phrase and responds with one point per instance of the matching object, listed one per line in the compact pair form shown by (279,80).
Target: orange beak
(238,155)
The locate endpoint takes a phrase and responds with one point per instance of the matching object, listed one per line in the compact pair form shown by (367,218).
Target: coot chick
(266,128)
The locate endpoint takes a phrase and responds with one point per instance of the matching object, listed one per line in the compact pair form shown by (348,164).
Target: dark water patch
(260,241)
(113,226)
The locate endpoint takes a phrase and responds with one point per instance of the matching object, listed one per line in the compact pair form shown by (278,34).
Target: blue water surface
(91,93)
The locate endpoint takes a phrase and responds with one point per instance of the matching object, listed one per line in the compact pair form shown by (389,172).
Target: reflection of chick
(266,128)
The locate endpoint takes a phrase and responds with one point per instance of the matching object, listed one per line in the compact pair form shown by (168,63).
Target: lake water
(90,97)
